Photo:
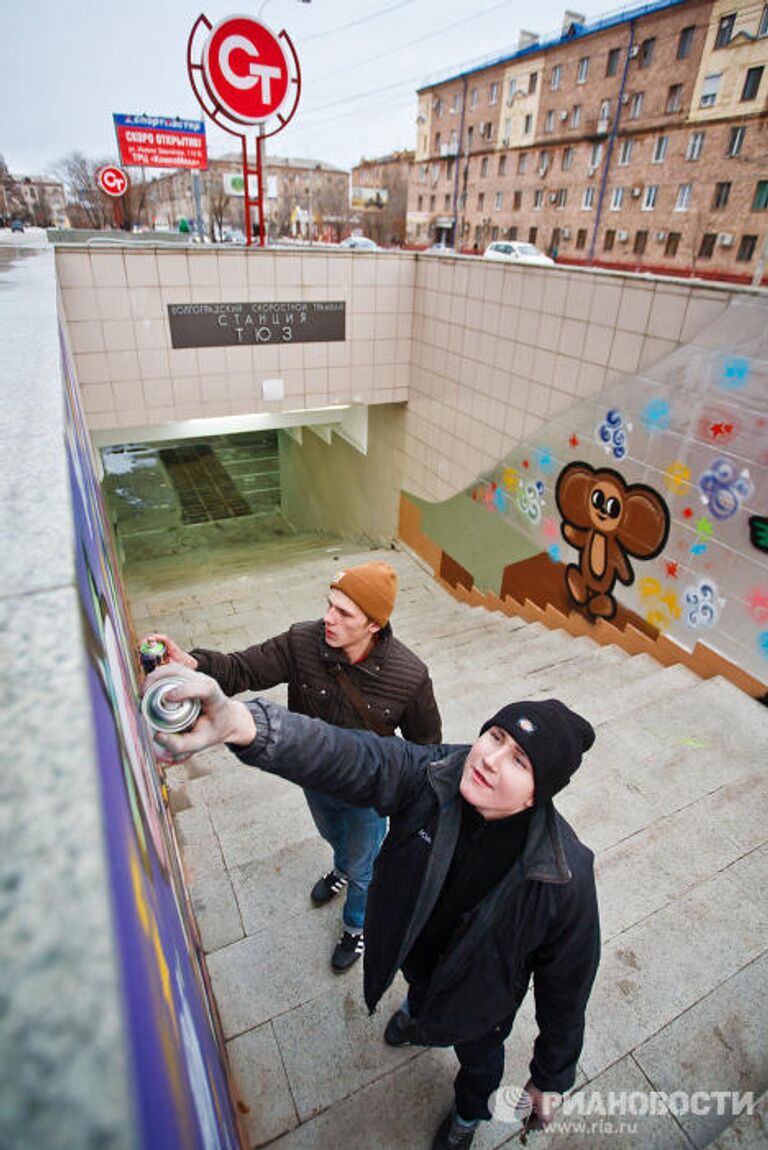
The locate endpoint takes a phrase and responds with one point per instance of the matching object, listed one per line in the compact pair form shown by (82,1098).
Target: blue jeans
(356,834)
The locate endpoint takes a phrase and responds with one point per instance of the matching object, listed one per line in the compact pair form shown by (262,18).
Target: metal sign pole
(246,192)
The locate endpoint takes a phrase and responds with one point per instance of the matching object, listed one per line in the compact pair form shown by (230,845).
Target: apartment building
(636,141)
(379,197)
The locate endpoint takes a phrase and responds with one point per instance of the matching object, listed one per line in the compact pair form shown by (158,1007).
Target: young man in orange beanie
(349,669)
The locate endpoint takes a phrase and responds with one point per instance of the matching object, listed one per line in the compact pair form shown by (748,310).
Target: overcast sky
(65,67)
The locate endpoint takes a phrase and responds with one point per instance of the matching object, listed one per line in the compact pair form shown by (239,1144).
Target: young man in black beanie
(480,885)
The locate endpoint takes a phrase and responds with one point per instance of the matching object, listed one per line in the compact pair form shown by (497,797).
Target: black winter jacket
(539,922)
(393,681)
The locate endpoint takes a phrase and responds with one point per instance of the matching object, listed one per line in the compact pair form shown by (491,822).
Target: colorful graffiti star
(735,373)
(757,604)
(672,568)
(656,415)
(677,478)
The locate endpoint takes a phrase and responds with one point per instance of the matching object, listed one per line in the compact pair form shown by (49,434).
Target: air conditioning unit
(563,116)
(660,237)
(565,234)
(505,142)
(625,99)
(725,239)
(443,149)
(591,169)
(553,197)
(636,192)
(543,169)
(634,52)
(622,237)
(602,127)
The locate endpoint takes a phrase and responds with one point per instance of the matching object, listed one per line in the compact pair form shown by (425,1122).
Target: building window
(763,26)
(473,98)
(709,89)
(636,105)
(517,200)
(480,201)
(625,152)
(672,244)
(494,232)
(447,202)
(439,106)
(470,136)
(493,93)
(603,115)
(512,233)
(675,98)
(437,141)
(588,199)
(502,165)
(596,154)
(498,203)
(511,92)
(549,121)
(555,78)
(760,202)
(561,197)
(576,116)
(707,245)
(484,167)
(583,71)
(532,234)
(725,30)
(685,42)
(567,159)
(646,52)
(527,124)
(660,149)
(617,199)
(736,141)
(695,144)
(420,204)
(683,201)
(455,102)
(649,197)
(581,238)
(641,239)
(746,250)
(507,132)
(612,66)
(522,163)
(722,192)
(610,238)
(532,79)
(462,201)
(431,203)
(538,198)
(752,83)
(543,162)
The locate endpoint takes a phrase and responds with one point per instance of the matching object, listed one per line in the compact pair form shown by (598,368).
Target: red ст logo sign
(244,69)
(112,180)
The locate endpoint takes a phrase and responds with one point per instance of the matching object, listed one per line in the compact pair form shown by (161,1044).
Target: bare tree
(88,207)
(11,197)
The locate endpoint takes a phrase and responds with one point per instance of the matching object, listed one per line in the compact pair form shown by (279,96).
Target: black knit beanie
(553,737)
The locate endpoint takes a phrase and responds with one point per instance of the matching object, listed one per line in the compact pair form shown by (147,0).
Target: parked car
(360,244)
(17,226)
(512,251)
(439,250)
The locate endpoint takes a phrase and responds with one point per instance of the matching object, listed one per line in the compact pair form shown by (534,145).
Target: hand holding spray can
(167,715)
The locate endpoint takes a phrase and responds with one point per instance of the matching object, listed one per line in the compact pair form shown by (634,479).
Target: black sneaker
(451,1136)
(399,1029)
(327,888)
(347,951)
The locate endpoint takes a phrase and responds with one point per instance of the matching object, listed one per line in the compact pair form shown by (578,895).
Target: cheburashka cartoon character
(607,521)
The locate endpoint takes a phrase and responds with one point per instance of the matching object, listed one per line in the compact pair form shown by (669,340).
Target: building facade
(639,141)
(379,197)
(302,198)
(35,200)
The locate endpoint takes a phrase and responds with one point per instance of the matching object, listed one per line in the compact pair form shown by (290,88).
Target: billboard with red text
(157,142)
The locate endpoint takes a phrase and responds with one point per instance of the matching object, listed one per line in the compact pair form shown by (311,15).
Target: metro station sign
(245,69)
(160,142)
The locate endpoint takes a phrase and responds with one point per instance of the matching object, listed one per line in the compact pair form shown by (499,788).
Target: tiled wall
(499,350)
(115,305)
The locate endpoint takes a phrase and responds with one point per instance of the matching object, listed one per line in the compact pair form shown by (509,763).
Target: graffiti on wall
(653,497)
(181,1091)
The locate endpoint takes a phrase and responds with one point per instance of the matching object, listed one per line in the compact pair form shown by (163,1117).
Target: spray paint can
(152,654)
(164,714)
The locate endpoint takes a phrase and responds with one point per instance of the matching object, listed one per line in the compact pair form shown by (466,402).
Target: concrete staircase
(672,799)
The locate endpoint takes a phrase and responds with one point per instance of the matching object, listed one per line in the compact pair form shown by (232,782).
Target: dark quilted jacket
(394,682)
